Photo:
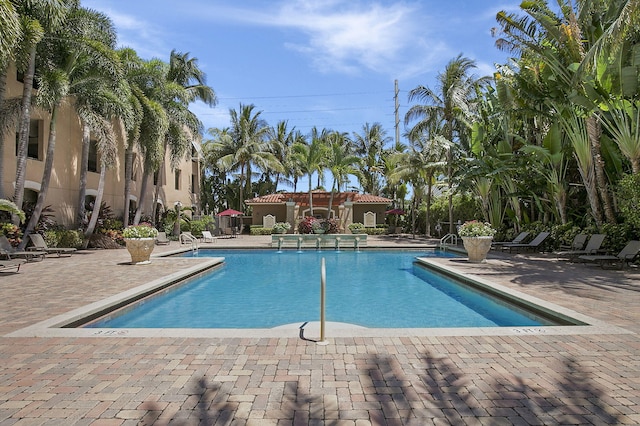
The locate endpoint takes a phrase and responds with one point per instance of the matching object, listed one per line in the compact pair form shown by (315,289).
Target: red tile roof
(320,198)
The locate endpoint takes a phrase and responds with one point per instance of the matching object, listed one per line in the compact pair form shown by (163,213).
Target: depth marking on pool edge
(529,330)
(110,332)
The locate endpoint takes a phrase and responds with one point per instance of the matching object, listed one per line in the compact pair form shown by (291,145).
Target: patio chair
(161,238)
(577,243)
(535,244)
(39,245)
(517,240)
(7,251)
(628,254)
(592,248)
(11,263)
(207,237)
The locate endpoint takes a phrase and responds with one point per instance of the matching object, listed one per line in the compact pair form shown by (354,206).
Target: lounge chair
(39,245)
(517,240)
(161,238)
(592,248)
(7,251)
(532,246)
(11,263)
(207,237)
(628,254)
(577,243)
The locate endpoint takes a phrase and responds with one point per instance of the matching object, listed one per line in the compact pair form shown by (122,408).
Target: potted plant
(280,227)
(140,241)
(320,226)
(476,238)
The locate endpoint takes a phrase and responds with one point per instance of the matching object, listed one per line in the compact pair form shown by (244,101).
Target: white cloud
(349,36)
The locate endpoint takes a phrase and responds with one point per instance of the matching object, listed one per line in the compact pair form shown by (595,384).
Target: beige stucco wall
(259,211)
(360,209)
(64,185)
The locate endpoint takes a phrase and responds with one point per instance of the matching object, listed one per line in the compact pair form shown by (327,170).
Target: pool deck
(527,376)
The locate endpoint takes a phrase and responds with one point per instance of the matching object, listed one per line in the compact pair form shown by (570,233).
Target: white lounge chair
(161,238)
(207,237)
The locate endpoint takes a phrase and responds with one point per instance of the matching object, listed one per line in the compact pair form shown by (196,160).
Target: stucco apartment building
(181,184)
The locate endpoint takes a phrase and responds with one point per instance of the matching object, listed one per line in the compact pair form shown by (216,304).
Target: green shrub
(259,230)
(618,235)
(628,194)
(63,238)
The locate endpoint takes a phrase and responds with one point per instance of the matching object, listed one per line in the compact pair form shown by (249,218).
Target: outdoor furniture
(592,247)
(532,246)
(517,240)
(207,237)
(577,243)
(628,254)
(161,238)
(39,245)
(11,263)
(9,252)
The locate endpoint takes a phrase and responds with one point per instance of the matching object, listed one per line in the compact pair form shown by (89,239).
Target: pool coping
(55,326)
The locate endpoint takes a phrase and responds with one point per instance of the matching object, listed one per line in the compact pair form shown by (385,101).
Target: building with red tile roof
(346,207)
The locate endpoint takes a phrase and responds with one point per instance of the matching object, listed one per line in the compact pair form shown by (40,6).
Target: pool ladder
(448,240)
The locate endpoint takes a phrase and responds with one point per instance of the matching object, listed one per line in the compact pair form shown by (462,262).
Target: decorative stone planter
(477,248)
(140,249)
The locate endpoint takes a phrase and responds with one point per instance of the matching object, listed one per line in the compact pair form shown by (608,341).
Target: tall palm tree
(341,162)
(311,157)
(187,83)
(75,56)
(281,138)
(39,18)
(150,122)
(369,145)
(449,106)
(247,146)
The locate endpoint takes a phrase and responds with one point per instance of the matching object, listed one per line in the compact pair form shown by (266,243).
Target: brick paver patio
(528,379)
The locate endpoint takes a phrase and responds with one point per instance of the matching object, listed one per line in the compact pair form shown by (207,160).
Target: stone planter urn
(140,249)
(477,248)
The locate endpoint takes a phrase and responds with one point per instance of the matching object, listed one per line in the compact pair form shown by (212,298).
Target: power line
(308,96)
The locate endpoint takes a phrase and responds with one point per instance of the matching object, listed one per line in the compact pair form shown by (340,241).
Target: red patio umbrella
(229,212)
(395,211)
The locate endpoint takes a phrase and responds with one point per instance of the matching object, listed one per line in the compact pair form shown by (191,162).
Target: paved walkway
(528,379)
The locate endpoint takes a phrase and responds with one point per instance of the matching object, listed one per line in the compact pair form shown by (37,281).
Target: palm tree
(450,106)
(76,56)
(281,138)
(340,161)
(311,158)
(186,83)
(246,147)
(10,31)
(39,18)
(150,122)
(369,145)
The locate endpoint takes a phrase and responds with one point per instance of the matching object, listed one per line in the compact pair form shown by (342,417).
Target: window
(193,183)
(177,179)
(93,156)
(155,177)
(33,144)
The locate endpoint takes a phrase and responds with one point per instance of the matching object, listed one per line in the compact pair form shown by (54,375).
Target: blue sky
(330,64)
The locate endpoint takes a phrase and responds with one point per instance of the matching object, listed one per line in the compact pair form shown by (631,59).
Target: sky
(331,64)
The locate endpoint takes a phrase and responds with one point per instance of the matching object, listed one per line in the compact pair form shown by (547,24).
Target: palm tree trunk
(143,197)
(3,85)
(46,179)
(128,177)
(310,198)
(427,213)
(156,192)
(96,207)
(594,130)
(23,138)
(84,166)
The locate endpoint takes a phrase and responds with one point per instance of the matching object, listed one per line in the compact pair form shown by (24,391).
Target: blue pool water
(264,289)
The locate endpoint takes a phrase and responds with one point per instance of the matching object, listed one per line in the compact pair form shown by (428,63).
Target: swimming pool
(265,289)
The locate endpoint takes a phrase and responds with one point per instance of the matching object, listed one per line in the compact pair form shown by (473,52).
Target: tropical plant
(311,157)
